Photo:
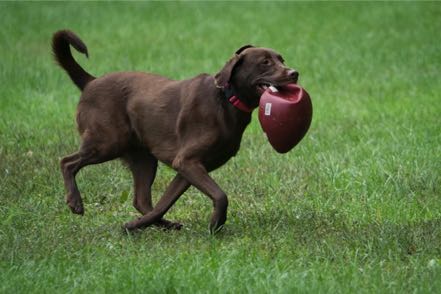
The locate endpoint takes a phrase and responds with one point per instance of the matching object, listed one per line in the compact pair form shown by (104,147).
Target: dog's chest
(225,148)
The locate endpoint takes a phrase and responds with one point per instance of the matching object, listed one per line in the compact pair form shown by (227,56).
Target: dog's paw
(215,228)
(75,205)
(168,225)
(217,222)
(129,231)
(162,223)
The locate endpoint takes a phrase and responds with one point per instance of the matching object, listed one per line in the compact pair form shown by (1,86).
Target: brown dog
(193,125)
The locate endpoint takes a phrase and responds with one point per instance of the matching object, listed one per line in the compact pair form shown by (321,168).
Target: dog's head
(251,70)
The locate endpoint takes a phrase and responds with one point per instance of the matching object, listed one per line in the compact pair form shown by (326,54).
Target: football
(285,114)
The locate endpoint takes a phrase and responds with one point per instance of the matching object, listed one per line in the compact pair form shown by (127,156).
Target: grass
(354,208)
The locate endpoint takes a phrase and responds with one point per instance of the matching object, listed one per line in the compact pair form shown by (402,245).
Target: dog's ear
(243,48)
(222,78)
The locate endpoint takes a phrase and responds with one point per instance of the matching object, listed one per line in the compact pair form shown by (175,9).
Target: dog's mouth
(276,83)
(262,87)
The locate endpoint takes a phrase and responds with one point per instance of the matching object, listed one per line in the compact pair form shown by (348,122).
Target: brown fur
(142,118)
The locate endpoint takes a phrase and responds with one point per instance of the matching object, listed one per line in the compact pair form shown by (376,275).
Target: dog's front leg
(194,172)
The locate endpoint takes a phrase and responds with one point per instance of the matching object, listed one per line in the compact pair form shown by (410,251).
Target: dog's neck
(235,100)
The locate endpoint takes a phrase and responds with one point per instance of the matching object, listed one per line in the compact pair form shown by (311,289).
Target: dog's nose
(293,74)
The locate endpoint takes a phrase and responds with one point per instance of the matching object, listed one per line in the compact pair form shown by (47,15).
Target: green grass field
(354,208)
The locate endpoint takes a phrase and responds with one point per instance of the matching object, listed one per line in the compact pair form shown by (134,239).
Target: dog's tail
(60,47)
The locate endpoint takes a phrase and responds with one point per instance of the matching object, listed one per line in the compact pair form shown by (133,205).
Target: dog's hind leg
(91,152)
(143,166)
(176,188)
(73,197)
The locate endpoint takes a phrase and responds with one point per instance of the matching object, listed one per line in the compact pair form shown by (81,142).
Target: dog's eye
(266,62)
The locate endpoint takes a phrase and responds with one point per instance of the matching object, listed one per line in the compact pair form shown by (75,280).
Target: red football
(285,115)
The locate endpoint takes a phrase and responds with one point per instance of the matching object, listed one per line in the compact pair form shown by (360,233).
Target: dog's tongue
(285,115)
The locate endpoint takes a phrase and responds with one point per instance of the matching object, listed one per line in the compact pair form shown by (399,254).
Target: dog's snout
(293,74)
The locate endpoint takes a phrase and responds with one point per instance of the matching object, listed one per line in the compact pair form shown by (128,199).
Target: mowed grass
(355,207)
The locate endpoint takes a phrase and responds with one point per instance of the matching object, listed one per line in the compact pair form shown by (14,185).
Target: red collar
(234,100)
(239,104)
